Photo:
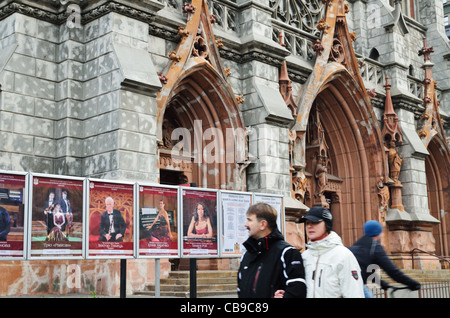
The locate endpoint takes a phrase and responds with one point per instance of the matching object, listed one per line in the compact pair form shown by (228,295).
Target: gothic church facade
(327,102)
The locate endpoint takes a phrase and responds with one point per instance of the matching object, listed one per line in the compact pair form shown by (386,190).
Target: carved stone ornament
(182,32)
(200,49)
(337,53)
(318,47)
(219,43)
(162,78)
(395,162)
(240,99)
(323,26)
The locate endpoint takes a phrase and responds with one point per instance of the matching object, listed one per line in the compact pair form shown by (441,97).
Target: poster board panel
(157,215)
(56,217)
(275,200)
(200,211)
(110,219)
(13,215)
(234,206)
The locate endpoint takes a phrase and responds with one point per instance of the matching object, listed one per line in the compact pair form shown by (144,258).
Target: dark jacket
(4,224)
(119,224)
(270,264)
(369,251)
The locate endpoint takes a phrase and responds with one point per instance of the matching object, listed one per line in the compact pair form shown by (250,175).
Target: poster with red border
(110,219)
(199,222)
(56,217)
(13,207)
(157,224)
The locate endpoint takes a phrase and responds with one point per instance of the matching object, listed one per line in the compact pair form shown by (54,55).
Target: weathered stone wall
(59,277)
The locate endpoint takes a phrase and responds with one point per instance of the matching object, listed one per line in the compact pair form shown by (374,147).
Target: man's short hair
(264,211)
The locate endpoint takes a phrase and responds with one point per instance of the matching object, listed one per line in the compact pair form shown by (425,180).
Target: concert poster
(110,219)
(234,233)
(158,221)
(199,227)
(56,217)
(13,193)
(275,201)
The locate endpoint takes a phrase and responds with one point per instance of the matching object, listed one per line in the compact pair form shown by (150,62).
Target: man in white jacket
(331,269)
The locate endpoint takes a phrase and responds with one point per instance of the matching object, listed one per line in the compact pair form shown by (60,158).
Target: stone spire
(391,130)
(431,120)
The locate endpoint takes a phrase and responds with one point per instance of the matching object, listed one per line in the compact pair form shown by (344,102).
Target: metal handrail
(422,251)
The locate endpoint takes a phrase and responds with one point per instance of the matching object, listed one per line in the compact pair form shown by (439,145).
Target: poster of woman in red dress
(199,210)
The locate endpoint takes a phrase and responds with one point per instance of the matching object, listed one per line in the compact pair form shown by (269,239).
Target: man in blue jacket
(368,251)
(270,267)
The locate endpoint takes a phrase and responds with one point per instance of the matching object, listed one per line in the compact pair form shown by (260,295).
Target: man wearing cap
(369,252)
(331,270)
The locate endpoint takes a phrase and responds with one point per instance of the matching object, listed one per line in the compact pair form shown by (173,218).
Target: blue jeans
(367,292)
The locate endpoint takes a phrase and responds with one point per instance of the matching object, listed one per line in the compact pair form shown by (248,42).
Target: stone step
(422,276)
(200,287)
(186,294)
(204,274)
(210,283)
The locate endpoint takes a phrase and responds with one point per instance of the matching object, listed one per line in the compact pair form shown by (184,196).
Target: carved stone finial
(346,8)
(318,47)
(322,26)
(371,93)
(188,8)
(162,78)
(426,51)
(219,43)
(174,57)
(182,32)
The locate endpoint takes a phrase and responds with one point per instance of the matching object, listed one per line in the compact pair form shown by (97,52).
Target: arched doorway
(203,136)
(352,152)
(438,187)
(203,139)
(355,158)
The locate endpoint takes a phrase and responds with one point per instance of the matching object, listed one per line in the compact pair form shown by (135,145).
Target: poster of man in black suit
(66,208)
(110,218)
(112,225)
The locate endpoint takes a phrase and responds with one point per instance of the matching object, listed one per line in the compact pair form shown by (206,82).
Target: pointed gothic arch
(437,164)
(356,151)
(198,98)
(438,186)
(355,155)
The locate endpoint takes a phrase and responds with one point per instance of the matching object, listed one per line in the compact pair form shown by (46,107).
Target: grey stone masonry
(72,104)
